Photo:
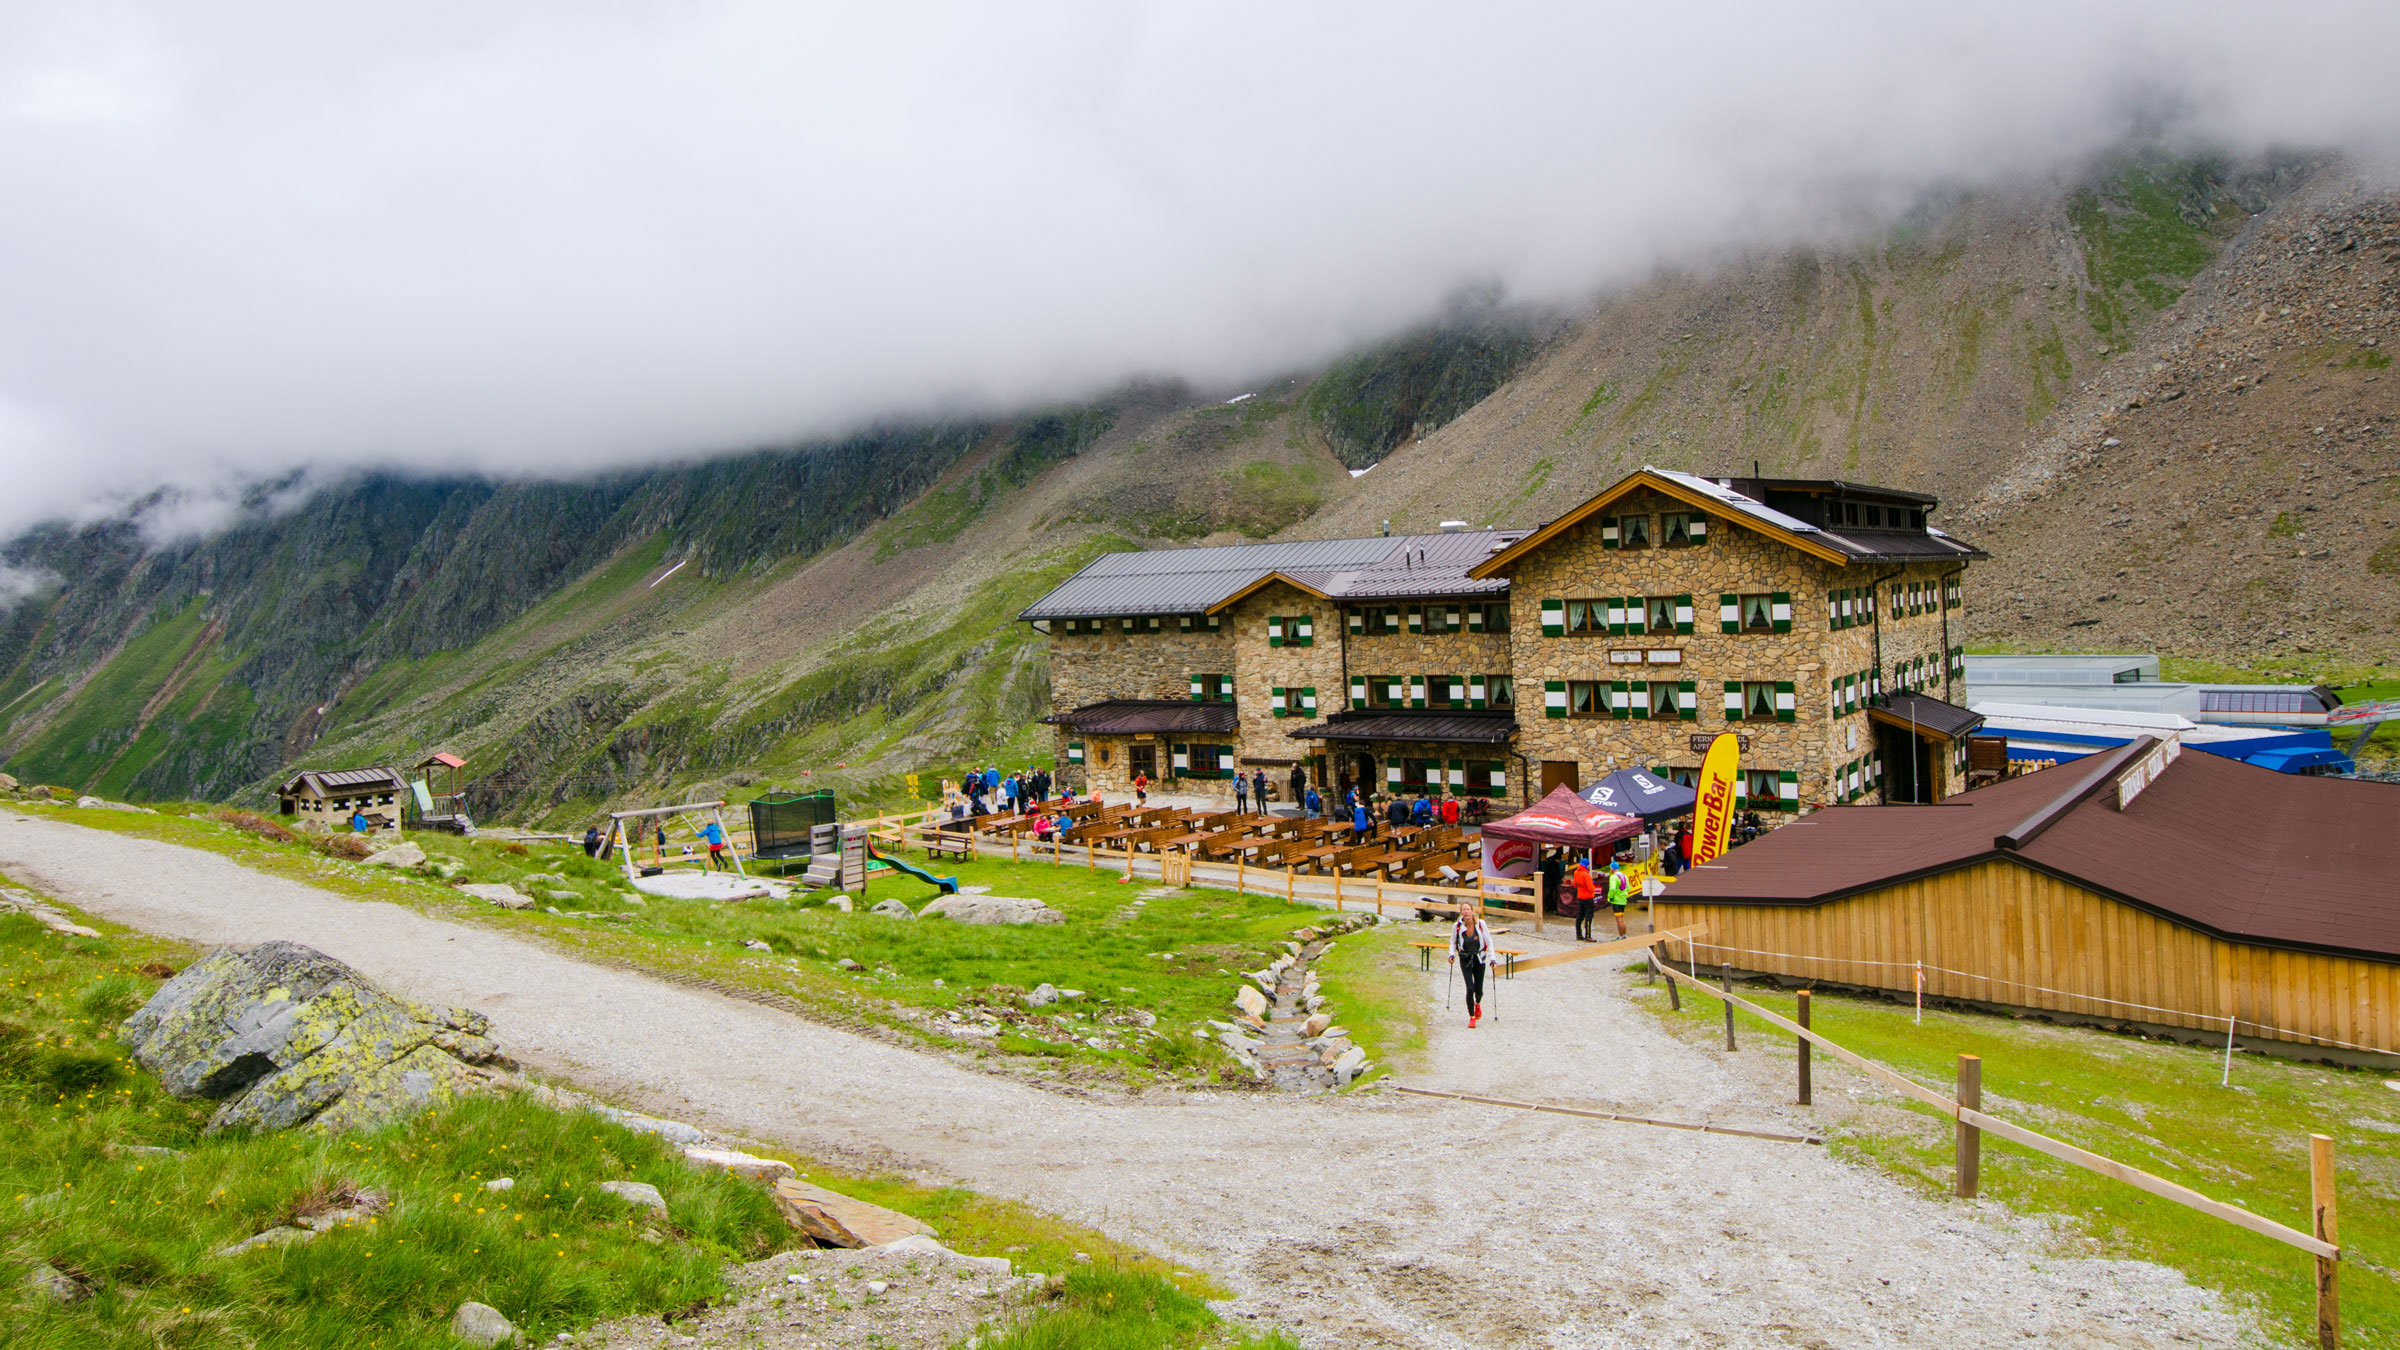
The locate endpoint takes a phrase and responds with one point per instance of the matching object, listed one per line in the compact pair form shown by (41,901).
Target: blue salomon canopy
(1638,792)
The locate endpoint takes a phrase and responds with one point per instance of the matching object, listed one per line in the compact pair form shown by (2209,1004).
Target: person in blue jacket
(1422,812)
(715,835)
(1361,827)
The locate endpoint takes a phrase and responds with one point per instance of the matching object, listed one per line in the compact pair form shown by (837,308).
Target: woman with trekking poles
(1471,951)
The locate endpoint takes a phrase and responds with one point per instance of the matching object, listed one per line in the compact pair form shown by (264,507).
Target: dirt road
(1377,1220)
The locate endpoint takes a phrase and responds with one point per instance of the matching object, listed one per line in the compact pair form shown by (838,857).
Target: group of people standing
(1015,793)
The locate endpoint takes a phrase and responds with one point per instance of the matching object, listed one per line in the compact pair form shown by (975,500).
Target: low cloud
(548,238)
(22,583)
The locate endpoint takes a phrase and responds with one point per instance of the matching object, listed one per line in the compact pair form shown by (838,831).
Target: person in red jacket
(1585,891)
(1450,810)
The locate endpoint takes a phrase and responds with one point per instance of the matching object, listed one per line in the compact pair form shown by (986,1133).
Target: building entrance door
(1558,773)
(1908,770)
(1142,761)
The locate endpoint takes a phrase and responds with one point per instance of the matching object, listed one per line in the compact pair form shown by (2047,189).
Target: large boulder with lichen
(286,1036)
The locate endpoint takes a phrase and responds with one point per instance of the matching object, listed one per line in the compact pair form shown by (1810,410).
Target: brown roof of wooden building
(2240,852)
(1148,716)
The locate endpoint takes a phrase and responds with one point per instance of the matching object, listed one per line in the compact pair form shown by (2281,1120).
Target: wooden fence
(1965,1109)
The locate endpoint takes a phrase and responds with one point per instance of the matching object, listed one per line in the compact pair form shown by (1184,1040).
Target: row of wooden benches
(1430,853)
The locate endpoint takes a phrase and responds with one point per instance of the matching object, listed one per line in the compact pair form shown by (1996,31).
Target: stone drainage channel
(1282,1032)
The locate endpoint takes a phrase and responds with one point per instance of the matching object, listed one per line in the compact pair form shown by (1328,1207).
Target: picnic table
(1425,950)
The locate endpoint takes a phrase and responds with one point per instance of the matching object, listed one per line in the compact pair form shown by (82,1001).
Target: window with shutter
(1474,618)
(1183,758)
(1275,700)
(1416,691)
(1358,691)
(1458,777)
(1787,708)
(1075,752)
(1199,691)
(1274,630)
(1683,614)
(1554,618)
(1499,775)
(1733,700)
(1416,619)
(1620,698)
(1395,773)
(1554,698)
(1779,605)
(1500,690)
(1302,631)
(1475,691)
(1357,623)
(1308,700)
(1687,700)
(1729,613)
(1787,790)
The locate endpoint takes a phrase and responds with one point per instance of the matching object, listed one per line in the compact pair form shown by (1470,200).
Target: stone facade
(1825,672)
(1776,644)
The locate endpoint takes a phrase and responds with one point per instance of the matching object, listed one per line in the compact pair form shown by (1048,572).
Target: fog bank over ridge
(269,238)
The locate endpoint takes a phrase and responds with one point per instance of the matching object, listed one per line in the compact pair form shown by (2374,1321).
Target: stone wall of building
(1262,666)
(1088,669)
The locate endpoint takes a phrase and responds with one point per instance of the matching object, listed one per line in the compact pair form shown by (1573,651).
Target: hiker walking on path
(1581,880)
(1471,951)
(1315,804)
(1360,826)
(1141,789)
(1241,793)
(1258,788)
(1299,783)
(1620,891)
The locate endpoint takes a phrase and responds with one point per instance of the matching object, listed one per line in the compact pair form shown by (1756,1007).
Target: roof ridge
(2112,763)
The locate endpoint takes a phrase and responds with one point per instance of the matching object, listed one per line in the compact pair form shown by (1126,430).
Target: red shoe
(1472,1019)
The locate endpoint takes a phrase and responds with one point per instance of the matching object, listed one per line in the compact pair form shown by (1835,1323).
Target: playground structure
(623,842)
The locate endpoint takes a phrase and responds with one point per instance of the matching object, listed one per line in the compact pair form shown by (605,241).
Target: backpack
(1470,945)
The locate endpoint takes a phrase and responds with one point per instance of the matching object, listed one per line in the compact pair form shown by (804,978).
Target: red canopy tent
(1565,820)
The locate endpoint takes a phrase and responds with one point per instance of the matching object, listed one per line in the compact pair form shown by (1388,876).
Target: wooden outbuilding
(2186,893)
(332,796)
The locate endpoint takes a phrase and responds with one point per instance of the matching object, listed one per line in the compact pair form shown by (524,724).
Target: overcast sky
(242,238)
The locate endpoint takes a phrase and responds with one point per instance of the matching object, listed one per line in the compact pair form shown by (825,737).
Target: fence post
(1802,1019)
(1728,980)
(2320,1190)
(1970,1139)
(1379,893)
(1337,890)
(1674,995)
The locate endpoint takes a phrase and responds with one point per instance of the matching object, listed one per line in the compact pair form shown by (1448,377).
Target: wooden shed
(333,795)
(2188,893)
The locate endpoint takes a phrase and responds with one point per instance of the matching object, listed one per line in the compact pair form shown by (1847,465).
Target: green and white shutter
(1733,700)
(1416,691)
(1358,624)
(1787,791)
(1699,528)
(1780,609)
(1198,692)
(1683,614)
(1620,699)
(1729,613)
(1554,698)
(1476,690)
(1615,605)
(1301,631)
(1075,752)
(1393,773)
(1458,778)
(1358,691)
(1609,538)
(1687,700)
(1499,772)
(1554,618)
(1183,759)
(1637,697)
(1416,619)
(1787,708)
(1275,701)
(1308,700)
(1395,690)
(1456,690)
(1475,618)
(1274,630)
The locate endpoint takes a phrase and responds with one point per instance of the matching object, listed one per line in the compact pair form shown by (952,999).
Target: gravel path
(1373,1220)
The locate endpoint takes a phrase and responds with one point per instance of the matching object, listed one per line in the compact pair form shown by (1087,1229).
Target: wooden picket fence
(1965,1108)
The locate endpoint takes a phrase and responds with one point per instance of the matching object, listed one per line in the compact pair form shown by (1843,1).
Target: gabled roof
(1170,581)
(1148,716)
(443,758)
(1709,495)
(342,782)
(1924,712)
(2241,853)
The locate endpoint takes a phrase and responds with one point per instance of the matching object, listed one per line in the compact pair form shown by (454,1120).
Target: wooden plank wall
(2031,940)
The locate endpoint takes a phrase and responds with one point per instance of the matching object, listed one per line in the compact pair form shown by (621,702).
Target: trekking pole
(1450,985)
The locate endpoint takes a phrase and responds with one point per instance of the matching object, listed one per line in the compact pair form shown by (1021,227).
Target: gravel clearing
(1370,1220)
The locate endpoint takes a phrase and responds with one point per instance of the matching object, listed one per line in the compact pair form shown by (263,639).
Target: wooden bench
(948,843)
(1507,962)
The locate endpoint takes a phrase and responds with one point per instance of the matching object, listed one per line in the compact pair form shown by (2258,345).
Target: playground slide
(949,885)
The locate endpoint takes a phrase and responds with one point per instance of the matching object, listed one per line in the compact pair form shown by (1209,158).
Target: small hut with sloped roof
(332,796)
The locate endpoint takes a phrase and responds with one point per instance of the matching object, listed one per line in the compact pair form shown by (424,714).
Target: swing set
(690,819)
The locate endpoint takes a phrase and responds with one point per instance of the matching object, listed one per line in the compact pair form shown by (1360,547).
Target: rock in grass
(285,1035)
(893,909)
(739,1164)
(992,909)
(1250,1000)
(506,897)
(481,1324)
(53,1285)
(1043,996)
(847,964)
(398,855)
(501,1185)
(636,1193)
(273,1237)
